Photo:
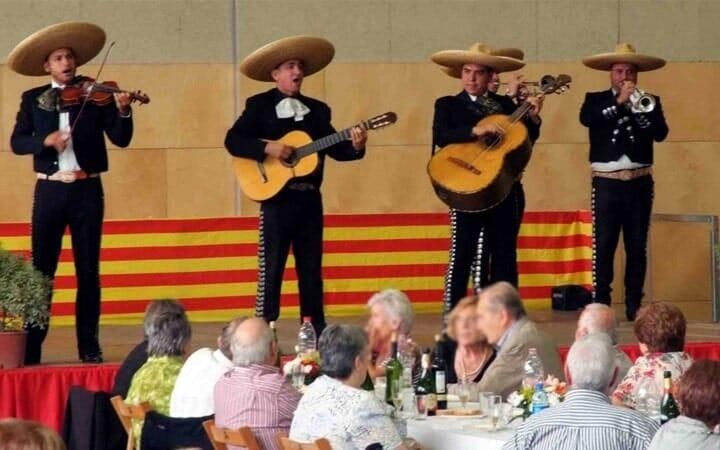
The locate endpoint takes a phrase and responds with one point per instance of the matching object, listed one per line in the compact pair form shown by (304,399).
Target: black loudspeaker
(570,297)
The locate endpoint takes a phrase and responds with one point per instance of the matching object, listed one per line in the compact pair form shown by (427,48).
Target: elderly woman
(168,340)
(390,312)
(138,355)
(660,331)
(334,406)
(467,352)
(16,434)
(698,394)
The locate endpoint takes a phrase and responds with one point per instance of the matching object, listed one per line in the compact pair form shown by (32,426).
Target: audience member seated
(600,318)
(17,434)
(193,395)
(586,419)
(254,393)
(467,351)
(698,426)
(138,355)
(390,312)
(501,317)
(660,331)
(168,340)
(334,406)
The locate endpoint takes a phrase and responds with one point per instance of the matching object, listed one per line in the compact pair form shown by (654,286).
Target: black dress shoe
(92,358)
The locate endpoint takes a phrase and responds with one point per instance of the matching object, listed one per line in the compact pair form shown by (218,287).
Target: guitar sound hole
(492,140)
(291,160)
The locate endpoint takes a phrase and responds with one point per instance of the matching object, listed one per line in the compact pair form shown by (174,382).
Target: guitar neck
(328,141)
(521,111)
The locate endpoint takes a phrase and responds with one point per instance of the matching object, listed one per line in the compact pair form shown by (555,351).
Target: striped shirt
(585,420)
(259,397)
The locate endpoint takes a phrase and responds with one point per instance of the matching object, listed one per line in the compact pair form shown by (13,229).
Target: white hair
(591,319)
(591,362)
(397,305)
(246,351)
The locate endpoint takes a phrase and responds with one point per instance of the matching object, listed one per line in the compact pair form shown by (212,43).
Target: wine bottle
(425,389)
(393,372)
(439,367)
(273,327)
(668,407)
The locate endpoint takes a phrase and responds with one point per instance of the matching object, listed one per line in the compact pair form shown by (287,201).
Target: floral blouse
(652,365)
(349,418)
(154,383)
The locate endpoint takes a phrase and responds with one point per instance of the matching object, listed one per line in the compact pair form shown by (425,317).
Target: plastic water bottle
(539,399)
(534,372)
(307,339)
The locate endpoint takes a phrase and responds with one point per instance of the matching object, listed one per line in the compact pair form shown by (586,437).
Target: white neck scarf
(291,107)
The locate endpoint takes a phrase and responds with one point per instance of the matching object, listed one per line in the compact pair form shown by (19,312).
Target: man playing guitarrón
(455,121)
(294,216)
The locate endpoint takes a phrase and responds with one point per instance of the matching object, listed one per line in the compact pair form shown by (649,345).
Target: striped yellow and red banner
(211,264)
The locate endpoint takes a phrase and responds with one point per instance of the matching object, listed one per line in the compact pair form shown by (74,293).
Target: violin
(97,93)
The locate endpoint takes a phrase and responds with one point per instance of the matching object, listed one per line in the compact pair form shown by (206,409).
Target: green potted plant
(23,299)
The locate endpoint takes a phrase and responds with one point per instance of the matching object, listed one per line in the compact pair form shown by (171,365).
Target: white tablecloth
(445,433)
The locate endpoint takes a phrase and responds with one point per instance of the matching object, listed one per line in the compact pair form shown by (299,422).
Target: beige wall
(183,53)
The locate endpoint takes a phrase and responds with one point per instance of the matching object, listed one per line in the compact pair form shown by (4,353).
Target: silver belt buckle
(67,177)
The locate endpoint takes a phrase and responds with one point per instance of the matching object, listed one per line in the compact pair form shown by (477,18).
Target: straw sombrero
(314,52)
(84,39)
(624,53)
(500,60)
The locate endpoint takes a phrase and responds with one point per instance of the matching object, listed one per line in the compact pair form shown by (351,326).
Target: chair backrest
(126,412)
(222,437)
(287,444)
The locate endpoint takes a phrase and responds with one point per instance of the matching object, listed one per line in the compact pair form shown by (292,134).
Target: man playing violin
(69,154)
(294,216)
(622,133)
(484,243)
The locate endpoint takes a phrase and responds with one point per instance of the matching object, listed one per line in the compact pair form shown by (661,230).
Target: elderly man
(586,419)
(193,395)
(600,318)
(254,393)
(502,318)
(335,406)
(295,215)
(622,133)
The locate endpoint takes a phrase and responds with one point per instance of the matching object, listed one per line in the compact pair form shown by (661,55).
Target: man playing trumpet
(623,123)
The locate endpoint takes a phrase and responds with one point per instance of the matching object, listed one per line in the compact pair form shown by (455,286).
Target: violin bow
(87,97)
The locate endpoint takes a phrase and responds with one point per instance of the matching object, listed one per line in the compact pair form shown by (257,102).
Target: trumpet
(641,102)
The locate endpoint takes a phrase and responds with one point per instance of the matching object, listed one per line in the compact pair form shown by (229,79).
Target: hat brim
(453,60)
(605,61)
(315,53)
(29,56)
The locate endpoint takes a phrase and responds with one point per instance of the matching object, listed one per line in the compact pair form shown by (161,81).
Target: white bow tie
(291,107)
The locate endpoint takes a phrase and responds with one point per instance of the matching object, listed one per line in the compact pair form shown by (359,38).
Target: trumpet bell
(641,102)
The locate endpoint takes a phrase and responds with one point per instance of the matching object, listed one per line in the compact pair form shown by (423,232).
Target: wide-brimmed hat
(84,39)
(500,60)
(314,52)
(624,53)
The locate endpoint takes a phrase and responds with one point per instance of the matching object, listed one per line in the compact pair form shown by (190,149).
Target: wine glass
(463,392)
(647,397)
(396,396)
(496,411)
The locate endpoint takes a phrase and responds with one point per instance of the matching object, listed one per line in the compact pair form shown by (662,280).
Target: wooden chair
(220,437)
(126,412)
(288,444)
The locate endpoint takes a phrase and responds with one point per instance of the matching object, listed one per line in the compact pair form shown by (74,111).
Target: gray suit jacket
(505,374)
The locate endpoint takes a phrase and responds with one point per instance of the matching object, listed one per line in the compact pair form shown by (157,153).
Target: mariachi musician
(455,121)
(293,217)
(623,122)
(69,154)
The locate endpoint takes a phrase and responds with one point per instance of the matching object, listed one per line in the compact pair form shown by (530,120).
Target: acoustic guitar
(478,175)
(261,180)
